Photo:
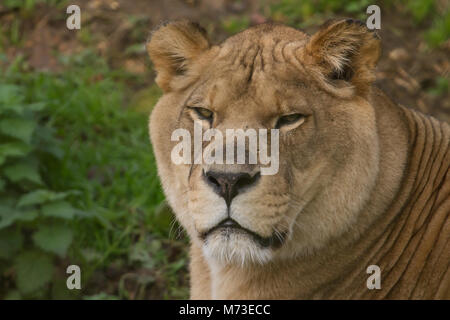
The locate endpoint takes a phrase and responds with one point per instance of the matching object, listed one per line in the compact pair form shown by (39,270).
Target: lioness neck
(394,231)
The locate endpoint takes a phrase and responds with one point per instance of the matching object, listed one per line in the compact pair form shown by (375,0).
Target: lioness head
(313,89)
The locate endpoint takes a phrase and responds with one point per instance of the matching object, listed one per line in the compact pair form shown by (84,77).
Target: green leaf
(137,48)
(23,171)
(18,128)
(9,94)
(2,185)
(176,266)
(60,291)
(34,270)
(42,196)
(37,106)
(59,209)
(9,215)
(91,255)
(163,218)
(16,109)
(13,149)
(47,142)
(53,238)
(11,242)
(27,215)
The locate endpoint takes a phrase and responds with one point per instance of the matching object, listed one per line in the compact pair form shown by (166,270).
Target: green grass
(234,25)
(11,30)
(29,5)
(441,87)
(105,160)
(304,13)
(439,32)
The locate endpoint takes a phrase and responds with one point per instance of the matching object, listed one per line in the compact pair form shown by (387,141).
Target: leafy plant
(420,9)
(234,25)
(79,184)
(28,5)
(34,220)
(305,13)
(439,32)
(441,88)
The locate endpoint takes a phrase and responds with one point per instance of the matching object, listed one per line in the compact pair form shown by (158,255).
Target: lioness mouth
(276,240)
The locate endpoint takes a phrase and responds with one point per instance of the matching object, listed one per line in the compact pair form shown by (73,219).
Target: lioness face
(268,77)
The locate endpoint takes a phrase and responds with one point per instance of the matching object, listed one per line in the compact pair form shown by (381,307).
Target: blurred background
(78,182)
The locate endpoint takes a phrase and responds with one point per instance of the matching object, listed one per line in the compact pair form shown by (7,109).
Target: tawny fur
(362,181)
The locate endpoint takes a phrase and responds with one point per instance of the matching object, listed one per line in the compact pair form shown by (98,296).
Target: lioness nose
(228,185)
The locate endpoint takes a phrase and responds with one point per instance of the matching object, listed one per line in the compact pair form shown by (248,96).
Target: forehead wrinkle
(267,54)
(250,54)
(241,53)
(277,52)
(254,66)
(267,58)
(251,57)
(274,47)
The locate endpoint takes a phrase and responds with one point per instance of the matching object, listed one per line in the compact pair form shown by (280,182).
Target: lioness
(361,180)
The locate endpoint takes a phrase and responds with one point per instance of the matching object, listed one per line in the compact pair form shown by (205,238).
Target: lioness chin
(361,181)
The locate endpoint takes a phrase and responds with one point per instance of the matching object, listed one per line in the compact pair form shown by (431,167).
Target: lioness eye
(289,119)
(203,113)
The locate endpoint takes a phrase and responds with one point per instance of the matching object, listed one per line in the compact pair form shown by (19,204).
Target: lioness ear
(173,46)
(344,50)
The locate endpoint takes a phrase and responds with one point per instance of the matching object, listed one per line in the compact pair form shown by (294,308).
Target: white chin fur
(235,248)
